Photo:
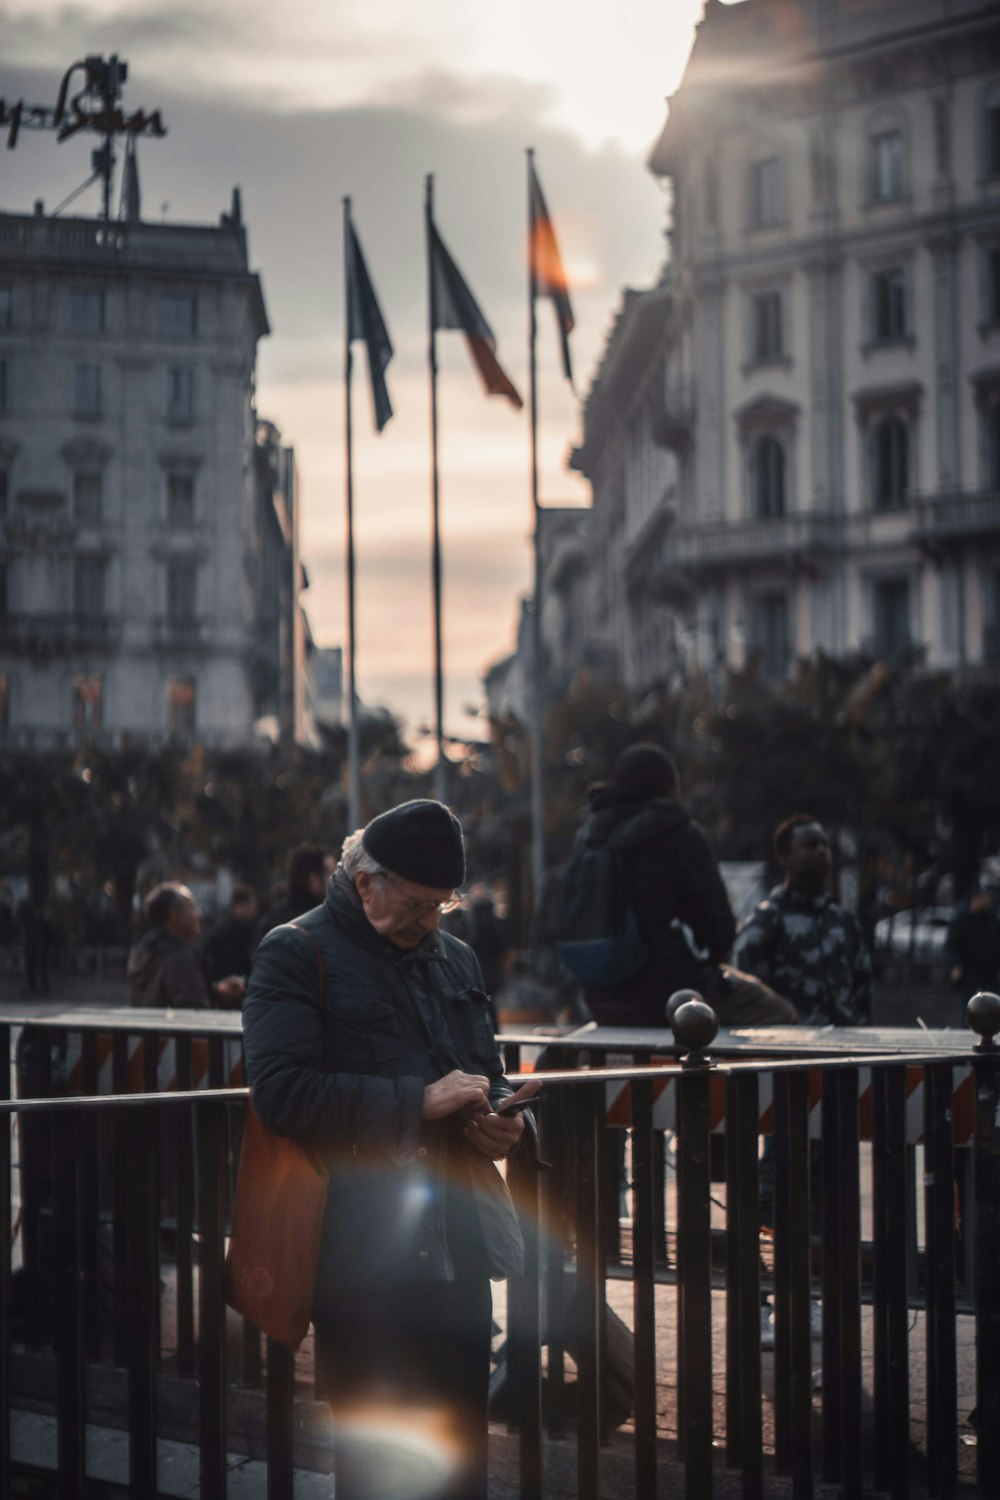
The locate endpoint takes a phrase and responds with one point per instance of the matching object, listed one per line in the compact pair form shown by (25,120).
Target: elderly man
(165,968)
(368,1033)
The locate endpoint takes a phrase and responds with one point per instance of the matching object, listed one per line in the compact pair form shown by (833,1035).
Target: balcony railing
(114,1315)
(801,535)
(943,518)
(179,633)
(57,634)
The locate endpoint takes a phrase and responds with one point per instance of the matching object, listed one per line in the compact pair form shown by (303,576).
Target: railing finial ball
(679,998)
(695,1026)
(983,1015)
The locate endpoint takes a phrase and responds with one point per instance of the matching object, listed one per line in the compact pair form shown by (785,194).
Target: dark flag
(365,322)
(454,306)
(547,274)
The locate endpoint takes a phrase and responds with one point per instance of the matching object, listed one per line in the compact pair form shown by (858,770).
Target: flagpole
(535,715)
(353,758)
(439,769)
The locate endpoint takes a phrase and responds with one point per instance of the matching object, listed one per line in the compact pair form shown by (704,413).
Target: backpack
(597,936)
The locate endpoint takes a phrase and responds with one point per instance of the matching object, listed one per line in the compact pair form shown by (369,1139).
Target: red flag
(547,274)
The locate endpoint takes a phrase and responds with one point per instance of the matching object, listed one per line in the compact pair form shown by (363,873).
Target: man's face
(185,919)
(807,863)
(399,909)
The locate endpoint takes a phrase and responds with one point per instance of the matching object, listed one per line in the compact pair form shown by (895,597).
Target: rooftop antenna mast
(93,107)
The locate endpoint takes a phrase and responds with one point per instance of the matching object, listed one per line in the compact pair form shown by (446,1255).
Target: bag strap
(316,949)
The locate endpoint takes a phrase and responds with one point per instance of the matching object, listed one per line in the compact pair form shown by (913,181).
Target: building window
(4,701)
(87,498)
(180,500)
(179,315)
(3,385)
(87,390)
(890,447)
(767,334)
(992,420)
(181,591)
(991,618)
(181,707)
(87,696)
(769,634)
(4,493)
(180,393)
(767,478)
(888,305)
(991,140)
(992,284)
(891,618)
(886,150)
(86,310)
(88,588)
(766,196)
(5,306)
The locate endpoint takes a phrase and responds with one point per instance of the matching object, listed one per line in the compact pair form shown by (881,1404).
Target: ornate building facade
(149,574)
(823,365)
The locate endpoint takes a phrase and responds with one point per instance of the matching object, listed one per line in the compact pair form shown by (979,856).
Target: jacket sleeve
(703,901)
(284,1049)
(755,944)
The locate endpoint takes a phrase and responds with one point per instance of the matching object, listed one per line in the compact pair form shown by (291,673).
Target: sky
(302,103)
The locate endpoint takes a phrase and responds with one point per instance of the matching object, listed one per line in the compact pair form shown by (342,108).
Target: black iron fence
(113,1214)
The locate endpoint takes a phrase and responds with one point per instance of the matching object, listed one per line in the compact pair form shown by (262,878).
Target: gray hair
(354,857)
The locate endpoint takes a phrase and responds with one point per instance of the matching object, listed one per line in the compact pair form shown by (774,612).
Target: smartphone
(513,1106)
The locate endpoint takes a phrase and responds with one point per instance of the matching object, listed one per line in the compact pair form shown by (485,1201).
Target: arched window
(765,185)
(990,130)
(890,442)
(767,478)
(993,446)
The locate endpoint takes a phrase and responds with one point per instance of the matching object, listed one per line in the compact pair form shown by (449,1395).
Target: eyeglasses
(423,908)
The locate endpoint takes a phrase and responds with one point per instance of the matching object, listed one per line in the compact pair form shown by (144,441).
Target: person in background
(679,899)
(229,946)
(974,946)
(367,1034)
(165,969)
(800,941)
(307,873)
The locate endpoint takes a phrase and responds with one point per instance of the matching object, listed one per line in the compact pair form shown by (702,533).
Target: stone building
(139,552)
(823,369)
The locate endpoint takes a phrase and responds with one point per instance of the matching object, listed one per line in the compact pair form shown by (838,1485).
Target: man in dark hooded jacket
(368,1033)
(679,899)
(165,969)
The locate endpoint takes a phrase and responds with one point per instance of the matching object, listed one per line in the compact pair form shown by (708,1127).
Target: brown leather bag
(277,1225)
(281,1187)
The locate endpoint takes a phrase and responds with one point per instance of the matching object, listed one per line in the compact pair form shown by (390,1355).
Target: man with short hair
(306,871)
(368,1034)
(230,944)
(801,941)
(164,967)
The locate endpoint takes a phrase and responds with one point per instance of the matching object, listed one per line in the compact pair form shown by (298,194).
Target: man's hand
(455,1091)
(496,1134)
(230,991)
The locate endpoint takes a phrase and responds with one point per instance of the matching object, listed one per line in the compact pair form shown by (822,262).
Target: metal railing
(113,1188)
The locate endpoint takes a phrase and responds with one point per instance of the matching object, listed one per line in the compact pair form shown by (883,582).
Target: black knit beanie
(646,770)
(420,841)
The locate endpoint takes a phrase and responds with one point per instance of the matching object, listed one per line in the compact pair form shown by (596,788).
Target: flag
(547,275)
(365,321)
(454,306)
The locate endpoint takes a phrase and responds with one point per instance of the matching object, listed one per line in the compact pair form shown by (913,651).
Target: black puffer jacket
(343,1063)
(679,899)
